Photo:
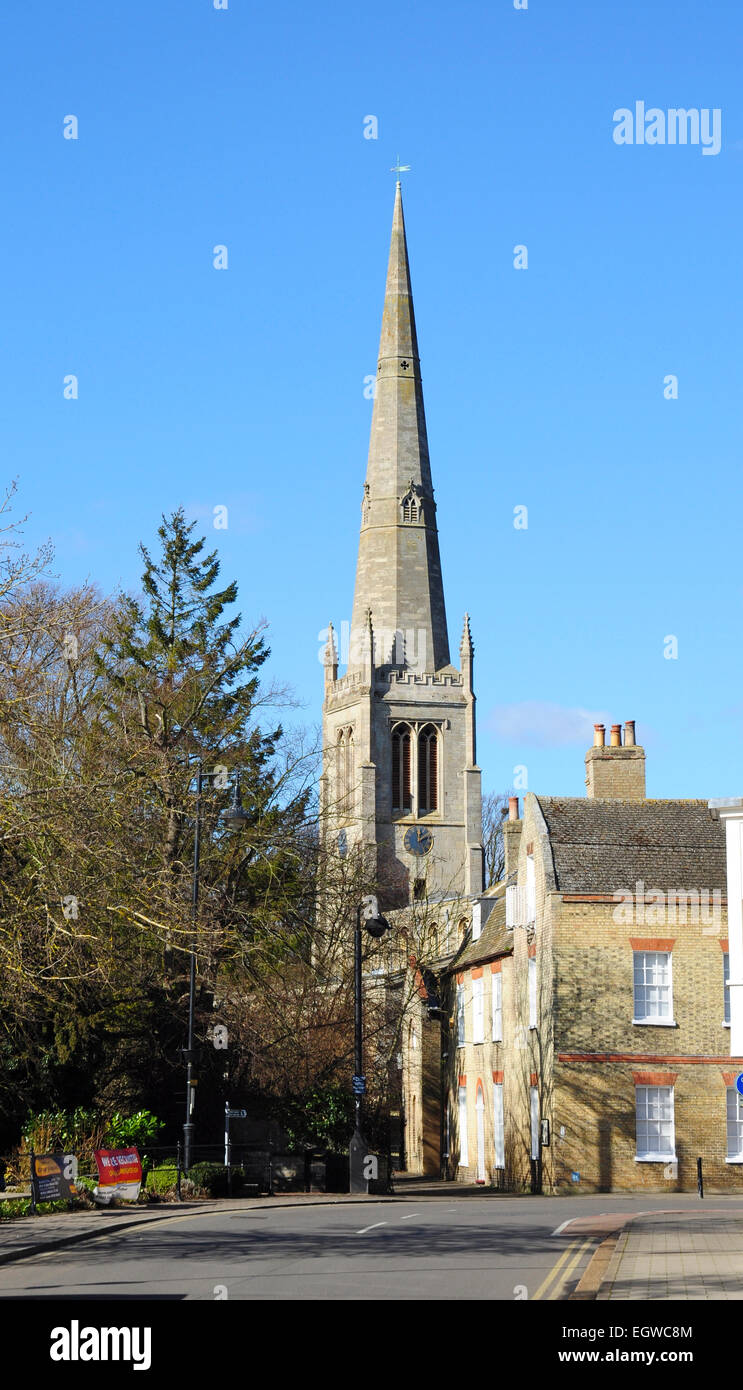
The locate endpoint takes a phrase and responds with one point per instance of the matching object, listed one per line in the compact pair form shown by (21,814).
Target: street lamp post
(188,1123)
(235,817)
(367,912)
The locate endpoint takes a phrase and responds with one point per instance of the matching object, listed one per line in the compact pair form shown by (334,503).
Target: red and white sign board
(119,1174)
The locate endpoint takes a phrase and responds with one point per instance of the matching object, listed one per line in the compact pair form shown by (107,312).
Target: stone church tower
(400,776)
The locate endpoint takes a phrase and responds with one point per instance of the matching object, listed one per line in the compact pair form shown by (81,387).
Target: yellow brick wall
(596,1106)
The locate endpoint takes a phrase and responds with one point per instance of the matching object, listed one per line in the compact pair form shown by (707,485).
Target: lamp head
(235,816)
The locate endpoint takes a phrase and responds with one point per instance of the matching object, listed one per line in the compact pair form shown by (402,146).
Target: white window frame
(461,1017)
(497,1006)
(533,1011)
(478,1012)
(644,1099)
(737,1121)
(726,989)
(654,1020)
(499,1125)
(534,1111)
(464,1148)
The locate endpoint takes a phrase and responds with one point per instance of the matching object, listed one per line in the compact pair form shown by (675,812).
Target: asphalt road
(414,1248)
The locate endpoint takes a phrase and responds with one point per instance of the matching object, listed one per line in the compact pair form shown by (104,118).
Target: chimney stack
(512,828)
(616,772)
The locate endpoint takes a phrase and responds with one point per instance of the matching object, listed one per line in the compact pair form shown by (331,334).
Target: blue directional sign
(359,1085)
(575,1177)
(739,1084)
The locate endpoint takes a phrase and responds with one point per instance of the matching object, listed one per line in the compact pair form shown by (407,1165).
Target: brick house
(609,942)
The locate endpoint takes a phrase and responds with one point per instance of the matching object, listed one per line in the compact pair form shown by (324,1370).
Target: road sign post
(230,1115)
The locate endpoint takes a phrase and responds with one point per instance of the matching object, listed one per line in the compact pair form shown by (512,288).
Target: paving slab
(690,1255)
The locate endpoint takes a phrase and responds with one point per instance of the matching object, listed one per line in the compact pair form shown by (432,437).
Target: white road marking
(559,1229)
(371,1228)
(412,1216)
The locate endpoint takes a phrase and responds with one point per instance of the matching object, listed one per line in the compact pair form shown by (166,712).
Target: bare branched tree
(494,810)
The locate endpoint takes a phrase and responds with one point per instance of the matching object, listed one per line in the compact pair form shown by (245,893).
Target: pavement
(690,1256)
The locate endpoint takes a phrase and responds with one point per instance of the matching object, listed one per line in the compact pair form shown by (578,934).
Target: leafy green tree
(104,707)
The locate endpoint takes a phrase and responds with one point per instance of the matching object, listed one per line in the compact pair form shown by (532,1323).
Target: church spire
(398,575)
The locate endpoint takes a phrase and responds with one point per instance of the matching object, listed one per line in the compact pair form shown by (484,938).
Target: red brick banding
(476,974)
(498,1078)
(654,1078)
(652,943)
(496,967)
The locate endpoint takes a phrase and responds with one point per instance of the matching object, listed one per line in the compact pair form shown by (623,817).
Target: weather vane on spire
(400,168)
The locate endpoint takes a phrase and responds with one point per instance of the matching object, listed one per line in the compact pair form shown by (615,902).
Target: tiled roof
(606,846)
(493,940)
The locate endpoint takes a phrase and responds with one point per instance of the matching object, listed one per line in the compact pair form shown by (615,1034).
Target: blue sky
(244,388)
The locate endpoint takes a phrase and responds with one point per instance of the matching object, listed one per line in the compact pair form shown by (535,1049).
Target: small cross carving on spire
(400,168)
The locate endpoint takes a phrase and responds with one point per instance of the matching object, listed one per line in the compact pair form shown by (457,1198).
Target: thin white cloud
(539,724)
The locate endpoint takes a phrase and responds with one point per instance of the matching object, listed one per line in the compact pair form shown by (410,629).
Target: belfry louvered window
(410,508)
(402,799)
(428,769)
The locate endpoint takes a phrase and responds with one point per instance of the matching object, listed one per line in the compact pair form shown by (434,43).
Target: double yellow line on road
(561,1272)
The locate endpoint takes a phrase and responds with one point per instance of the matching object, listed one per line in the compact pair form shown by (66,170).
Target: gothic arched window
(350,774)
(428,769)
(411,508)
(340,770)
(345,772)
(402,799)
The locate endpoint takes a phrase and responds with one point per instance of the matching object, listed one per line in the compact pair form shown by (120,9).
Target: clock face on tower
(418,839)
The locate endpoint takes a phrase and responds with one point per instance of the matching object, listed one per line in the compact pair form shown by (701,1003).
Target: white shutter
(460,1015)
(531,891)
(478,1028)
(498,1007)
(514,906)
(532,992)
(464,1156)
(499,1128)
(534,1122)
